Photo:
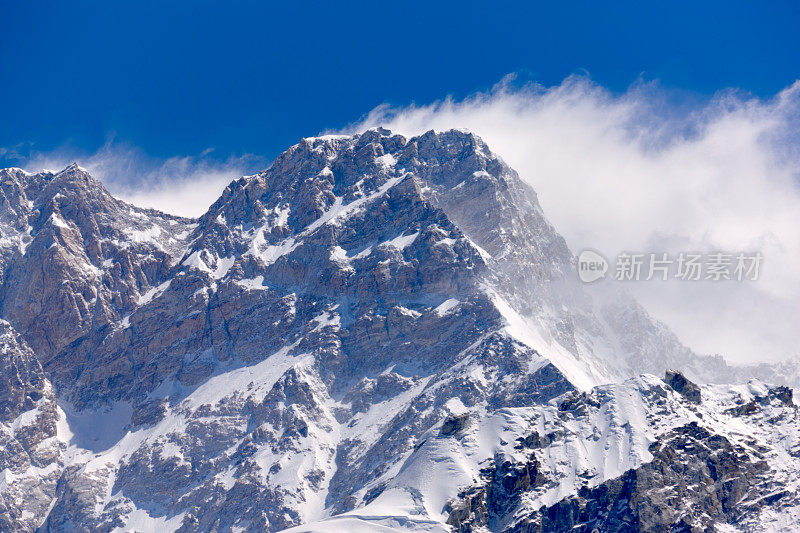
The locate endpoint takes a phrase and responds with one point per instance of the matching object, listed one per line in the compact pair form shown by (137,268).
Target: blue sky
(177,78)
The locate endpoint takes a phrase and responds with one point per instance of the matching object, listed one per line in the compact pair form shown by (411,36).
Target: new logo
(591,266)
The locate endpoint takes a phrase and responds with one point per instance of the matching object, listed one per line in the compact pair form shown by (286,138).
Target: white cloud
(639,172)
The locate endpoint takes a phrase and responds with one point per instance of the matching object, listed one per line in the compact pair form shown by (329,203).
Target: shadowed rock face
(696,479)
(683,386)
(455,424)
(22,380)
(697,475)
(329,333)
(30,455)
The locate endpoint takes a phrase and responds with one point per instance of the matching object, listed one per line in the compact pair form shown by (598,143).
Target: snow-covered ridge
(579,442)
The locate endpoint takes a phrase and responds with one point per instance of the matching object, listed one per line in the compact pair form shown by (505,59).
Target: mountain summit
(376,333)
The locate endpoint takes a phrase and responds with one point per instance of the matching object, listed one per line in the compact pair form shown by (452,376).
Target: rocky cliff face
(375,332)
(691,472)
(31,455)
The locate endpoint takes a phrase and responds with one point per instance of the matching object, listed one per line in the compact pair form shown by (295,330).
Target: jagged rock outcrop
(31,455)
(696,475)
(81,262)
(683,386)
(372,325)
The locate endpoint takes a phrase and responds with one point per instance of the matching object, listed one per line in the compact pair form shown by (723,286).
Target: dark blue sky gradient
(179,77)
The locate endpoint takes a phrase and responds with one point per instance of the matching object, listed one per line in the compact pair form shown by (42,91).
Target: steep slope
(314,345)
(75,260)
(644,456)
(31,454)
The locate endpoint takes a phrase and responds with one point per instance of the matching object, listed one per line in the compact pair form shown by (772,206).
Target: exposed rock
(695,480)
(697,475)
(683,386)
(30,454)
(301,349)
(455,424)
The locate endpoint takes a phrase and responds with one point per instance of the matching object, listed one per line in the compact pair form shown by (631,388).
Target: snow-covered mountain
(376,333)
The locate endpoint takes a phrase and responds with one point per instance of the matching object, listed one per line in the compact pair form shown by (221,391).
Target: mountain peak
(74,175)
(74,166)
(374,323)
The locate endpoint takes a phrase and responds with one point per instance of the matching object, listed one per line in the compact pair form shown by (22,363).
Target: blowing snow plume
(646,171)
